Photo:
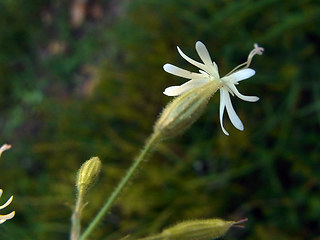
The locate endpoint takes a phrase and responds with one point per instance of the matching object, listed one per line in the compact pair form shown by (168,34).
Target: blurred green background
(81,79)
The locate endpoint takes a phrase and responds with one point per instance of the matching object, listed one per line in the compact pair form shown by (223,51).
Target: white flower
(209,72)
(6,217)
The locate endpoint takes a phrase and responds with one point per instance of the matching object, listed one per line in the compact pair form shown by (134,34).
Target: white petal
(203,53)
(172,91)
(221,110)
(178,90)
(169,68)
(205,57)
(215,66)
(241,75)
(193,62)
(7,203)
(239,95)
(204,73)
(4,147)
(3,218)
(232,114)
(1,191)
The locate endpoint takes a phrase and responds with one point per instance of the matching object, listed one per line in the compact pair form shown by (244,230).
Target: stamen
(256,50)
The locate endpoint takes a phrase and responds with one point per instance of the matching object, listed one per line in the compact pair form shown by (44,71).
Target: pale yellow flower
(209,73)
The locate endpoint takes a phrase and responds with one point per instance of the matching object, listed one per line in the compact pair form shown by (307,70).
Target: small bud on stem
(88,174)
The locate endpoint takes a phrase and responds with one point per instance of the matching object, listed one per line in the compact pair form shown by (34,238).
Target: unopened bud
(184,110)
(197,229)
(88,174)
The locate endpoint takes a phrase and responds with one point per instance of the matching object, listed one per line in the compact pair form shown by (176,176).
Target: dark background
(86,79)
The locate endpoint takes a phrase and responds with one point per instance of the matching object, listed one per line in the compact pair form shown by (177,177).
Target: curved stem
(149,146)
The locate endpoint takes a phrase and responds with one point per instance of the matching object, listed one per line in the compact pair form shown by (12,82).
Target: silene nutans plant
(189,102)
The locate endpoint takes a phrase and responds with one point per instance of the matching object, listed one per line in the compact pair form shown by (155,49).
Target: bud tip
(236,224)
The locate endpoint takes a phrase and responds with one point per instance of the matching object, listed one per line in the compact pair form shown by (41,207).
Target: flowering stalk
(184,110)
(148,148)
(175,118)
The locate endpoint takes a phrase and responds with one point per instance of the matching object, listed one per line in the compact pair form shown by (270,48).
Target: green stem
(149,146)
(76,217)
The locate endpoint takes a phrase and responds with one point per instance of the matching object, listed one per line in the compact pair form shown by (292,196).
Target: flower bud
(184,110)
(197,229)
(88,174)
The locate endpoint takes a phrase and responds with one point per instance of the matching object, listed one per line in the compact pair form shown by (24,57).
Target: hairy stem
(149,146)
(75,219)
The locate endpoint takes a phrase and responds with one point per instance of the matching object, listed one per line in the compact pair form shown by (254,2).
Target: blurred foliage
(71,93)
